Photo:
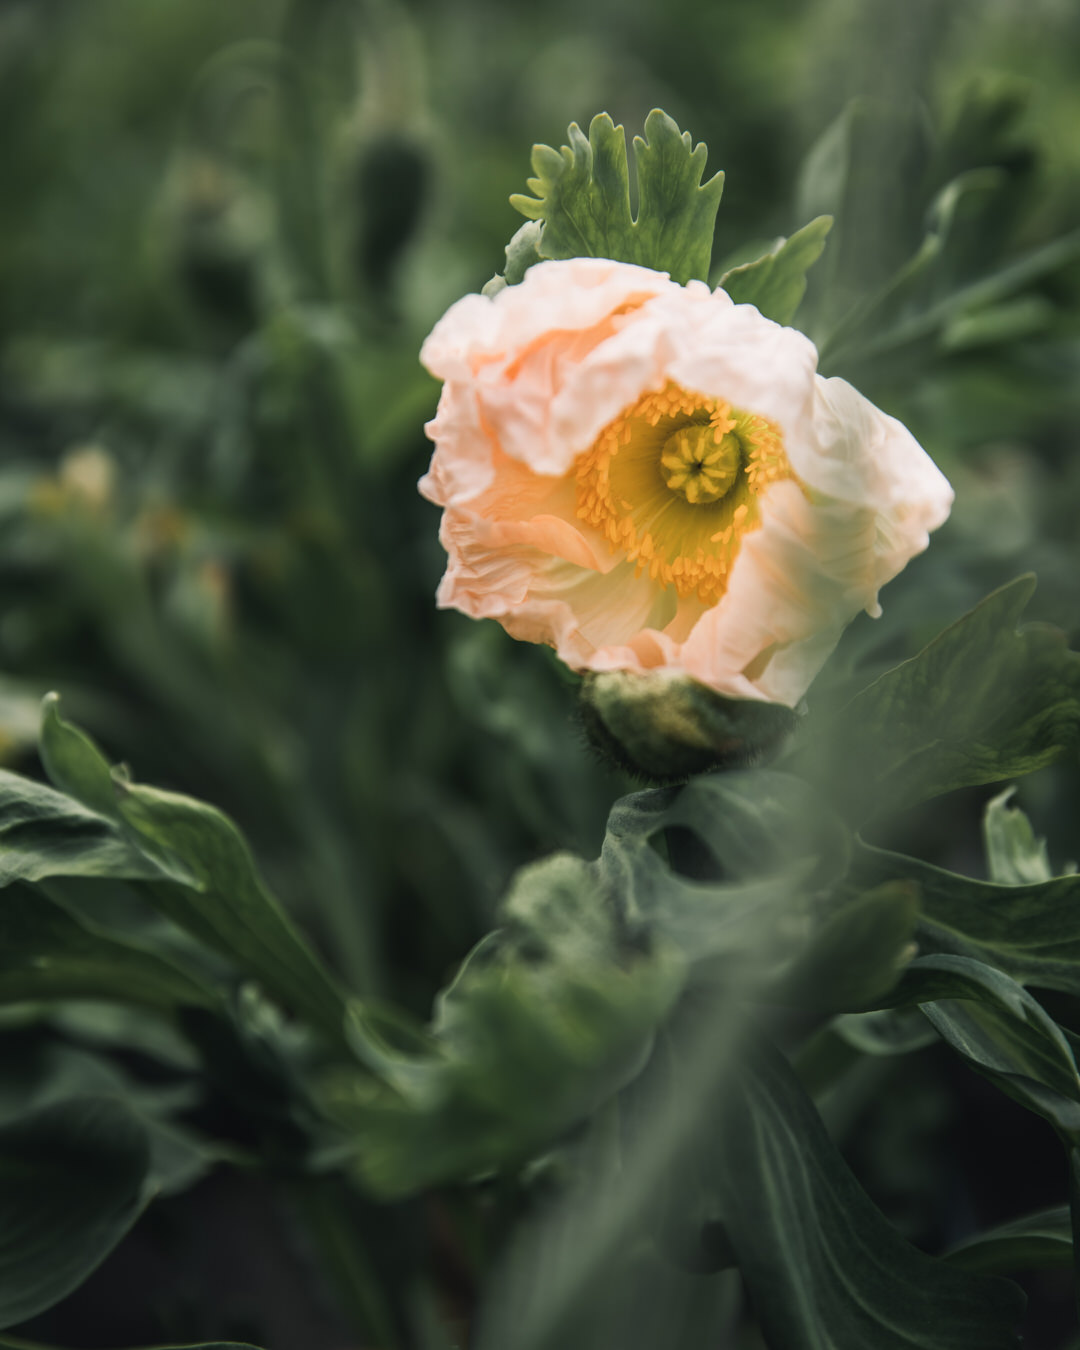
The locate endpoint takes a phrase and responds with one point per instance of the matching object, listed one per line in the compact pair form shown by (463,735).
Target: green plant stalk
(323,1205)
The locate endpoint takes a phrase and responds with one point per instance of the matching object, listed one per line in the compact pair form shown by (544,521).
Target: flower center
(673,484)
(701,462)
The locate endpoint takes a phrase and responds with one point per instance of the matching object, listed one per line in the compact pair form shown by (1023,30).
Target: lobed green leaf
(546,1018)
(582,198)
(741,870)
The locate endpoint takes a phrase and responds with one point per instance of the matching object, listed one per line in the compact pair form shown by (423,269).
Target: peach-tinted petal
(859,454)
(732,352)
(569,296)
(462,465)
(797,582)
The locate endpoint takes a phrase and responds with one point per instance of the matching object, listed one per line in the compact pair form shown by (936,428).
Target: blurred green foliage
(224,232)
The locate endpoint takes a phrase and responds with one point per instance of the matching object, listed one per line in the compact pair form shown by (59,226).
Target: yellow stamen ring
(673,483)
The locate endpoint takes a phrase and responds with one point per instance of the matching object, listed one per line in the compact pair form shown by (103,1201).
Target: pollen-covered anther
(673,484)
(700,462)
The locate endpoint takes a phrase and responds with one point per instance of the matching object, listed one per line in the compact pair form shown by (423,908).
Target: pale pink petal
(540,597)
(859,454)
(734,353)
(463,463)
(796,583)
(562,296)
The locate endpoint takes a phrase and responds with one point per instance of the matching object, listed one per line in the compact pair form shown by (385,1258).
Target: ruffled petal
(797,582)
(733,352)
(859,454)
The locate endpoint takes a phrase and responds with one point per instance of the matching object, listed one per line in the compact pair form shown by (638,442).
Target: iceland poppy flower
(649,477)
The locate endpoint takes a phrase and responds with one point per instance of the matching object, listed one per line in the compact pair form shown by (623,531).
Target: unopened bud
(664,727)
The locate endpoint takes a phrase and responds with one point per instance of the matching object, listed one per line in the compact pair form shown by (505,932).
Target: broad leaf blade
(225,904)
(1031,932)
(824,1268)
(203,875)
(47,952)
(45,833)
(981,703)
(1033,1242)
(858,951)
(71,1185)
(776,282)
(1001,1031)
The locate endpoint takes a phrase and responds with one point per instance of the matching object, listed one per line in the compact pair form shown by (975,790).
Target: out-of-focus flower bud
(663,726)
(88,475)
(214,227)
(389,190)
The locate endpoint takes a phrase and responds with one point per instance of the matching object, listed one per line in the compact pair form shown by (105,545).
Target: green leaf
(739,870)
(861,171)
(721,1151)
(51,1073)
(835,1048)
(224,903)
(71,1185)
(44,833)
(204,877)
(1001,1031)
(547,1018)
(47,952)
(521,252)
(582,196)
(694,861)
(886,1031)
(865,321)
(1015,857)
(1031,932)
(73,762)
(824,1269)
(1033,1242)
(960,308)
(776,282)
(857,952)
(980,703)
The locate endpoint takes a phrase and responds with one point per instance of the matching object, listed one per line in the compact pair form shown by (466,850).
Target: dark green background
(225,228)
